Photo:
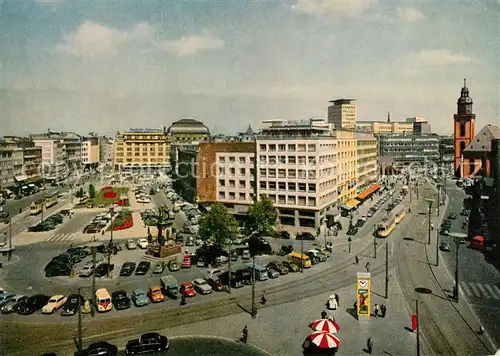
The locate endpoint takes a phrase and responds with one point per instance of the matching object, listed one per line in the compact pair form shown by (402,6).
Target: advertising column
(363,291)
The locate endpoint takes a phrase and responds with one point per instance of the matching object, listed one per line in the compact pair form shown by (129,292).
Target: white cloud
(189,45)
(437,57)
(410,14)
(92,40)
(349,8)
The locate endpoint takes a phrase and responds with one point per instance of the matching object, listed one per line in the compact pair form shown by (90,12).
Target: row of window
(241,160)
(288,147)
(290,187)
(231,171)
(292,200)
(232,196)
(287,173)
(144,137)
(231,183)
(137,154)
(143,160)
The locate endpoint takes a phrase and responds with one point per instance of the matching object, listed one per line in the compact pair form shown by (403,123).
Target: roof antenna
(465,82)
(388,116)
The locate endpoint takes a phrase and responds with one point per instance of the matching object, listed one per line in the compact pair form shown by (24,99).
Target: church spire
(465,82)
(388,116)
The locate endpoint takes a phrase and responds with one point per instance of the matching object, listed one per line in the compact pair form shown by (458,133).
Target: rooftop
(482,142)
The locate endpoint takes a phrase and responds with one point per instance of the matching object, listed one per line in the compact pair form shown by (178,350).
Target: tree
(261,220)
(91,191)
(80,193)
(218,225)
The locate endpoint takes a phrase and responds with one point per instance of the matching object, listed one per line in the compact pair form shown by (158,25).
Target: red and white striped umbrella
(325,325)
(324,340)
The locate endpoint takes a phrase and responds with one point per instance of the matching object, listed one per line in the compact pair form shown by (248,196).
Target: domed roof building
(186,130)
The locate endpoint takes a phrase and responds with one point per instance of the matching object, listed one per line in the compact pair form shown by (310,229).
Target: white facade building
(53,164)
(235,177)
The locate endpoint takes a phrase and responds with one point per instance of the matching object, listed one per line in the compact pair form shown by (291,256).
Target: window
(291,187)
(242,184)
(222,159)
(263,148)
(292,173)
(242,160)
(462,129)
(232,159)
(262,159)
(232,196)
(311,201)
(311,174)
(272,148)
(272,197)
(232,183)
(301,174)
(272,159)
(311,148)
(311,160)
(281,173)
(302,201)
(272,185)
(272,173)
(291,200)
(281,199)
(312,188)
(302,187)
(242,196)
(263,185)
(232,171)
(252,172)
(302,159)
(222,182)
(282,159)
(291,148)
(243,171)
(291,160)
(301,148)
(222,195)
(281,148)
(222,171)
(263,172)
(252,160)
(282,186)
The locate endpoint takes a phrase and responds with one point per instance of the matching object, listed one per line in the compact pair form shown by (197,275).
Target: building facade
(409,148)
(367,160)
(107,150)
(446,153)
(139,149)
(385,127)
(478,152)
(463,133)
(91,150)
(343,113)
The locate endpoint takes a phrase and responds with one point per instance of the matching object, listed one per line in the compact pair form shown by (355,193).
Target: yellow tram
(37,206)
(50,200)
(389,224)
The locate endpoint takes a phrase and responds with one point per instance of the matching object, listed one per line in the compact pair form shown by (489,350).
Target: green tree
(218,225)
(80,193)
(261,219)
(91,191)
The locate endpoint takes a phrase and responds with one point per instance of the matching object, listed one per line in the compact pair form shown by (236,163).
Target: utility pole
(418,328)
(301,254)
(254,306)
(93,249)
(429,201)
(43,206)
(386,270)
(439,199)
(229,268)
(349,240)
(437,247)
(79,341)
(374,247)
(110,247)
(457,245)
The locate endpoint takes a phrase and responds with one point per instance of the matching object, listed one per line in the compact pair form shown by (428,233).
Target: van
(260,271)
(103,301)
(170,286)
(299,259)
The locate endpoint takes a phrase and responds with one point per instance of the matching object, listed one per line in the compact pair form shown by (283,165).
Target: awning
(352,203)
(368,191)
(21,178)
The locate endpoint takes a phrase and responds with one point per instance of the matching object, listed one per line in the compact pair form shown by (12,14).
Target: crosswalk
(480,290)
(59,237)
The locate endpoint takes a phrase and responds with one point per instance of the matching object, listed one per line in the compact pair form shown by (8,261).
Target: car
(452,216)
(32,304)
(464,212)
(245,255)
(127,269)
(188,290)
(234,257)
(213,272)
(201,286)
(155,294)
(353,230)
(103,268)
(142,268)
(200,263)
(292,267)
(147,343)
(236,281)
(71,306)
(11,305)
(142,243)
(120,300)
(186,262)
(444,246)
(244,275)
(444,232)
(5,297)
(360,222)
(100,348)
(305,236)
(278,266)
(58,271)
(86,270)
(190,241)
(159,268)
(216,284)
(131,245)
(54,303)
(272,273)
(139,297)
(173,265)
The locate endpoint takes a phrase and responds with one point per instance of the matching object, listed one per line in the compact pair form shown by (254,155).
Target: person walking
(337,299)
(369,345)
(324,314)
(244,335)
(383,310)
(375,310)
(183,299)
(263,299)
(357,260)
(367,266)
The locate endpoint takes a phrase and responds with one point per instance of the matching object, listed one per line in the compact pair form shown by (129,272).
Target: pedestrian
(367,266)
(383,310)
(263,299)
(375,310)
(324,314)
(357,260)
(337,299)
(369,345)
(244,335)
(183,299)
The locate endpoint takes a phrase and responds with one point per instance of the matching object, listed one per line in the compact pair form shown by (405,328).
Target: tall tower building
(343,113)
(464,133)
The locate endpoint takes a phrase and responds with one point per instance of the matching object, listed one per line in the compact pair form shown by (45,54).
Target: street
(12,206)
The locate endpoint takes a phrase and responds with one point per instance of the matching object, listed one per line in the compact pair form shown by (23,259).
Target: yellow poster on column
(363,290)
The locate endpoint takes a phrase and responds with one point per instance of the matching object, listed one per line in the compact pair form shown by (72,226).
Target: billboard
(363,291)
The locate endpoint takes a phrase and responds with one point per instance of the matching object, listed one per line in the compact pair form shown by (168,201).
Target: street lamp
(457,236)
(93,248)
(110,247)
(429,201)
(439,199)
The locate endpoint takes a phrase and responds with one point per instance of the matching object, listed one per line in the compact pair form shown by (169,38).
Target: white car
(202,286)
(142,243)
(87,270)
(131,245)
(245,255)
(54,303)
(213,273)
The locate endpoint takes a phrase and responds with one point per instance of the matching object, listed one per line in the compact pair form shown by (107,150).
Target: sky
(107,66)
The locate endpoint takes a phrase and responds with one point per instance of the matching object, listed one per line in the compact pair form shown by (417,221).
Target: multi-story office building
(185,171)
(139,149)
(107,150)
(420,125)
(385,127)
(367,160)
(446,152)
(409,148)
(342,113)
(91,150)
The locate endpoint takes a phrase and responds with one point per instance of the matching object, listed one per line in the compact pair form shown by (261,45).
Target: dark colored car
(102,269)
(282,235)
(236,282)
(127,269)
(32,304)
(452,216)
(120,300)
(305,236)
(216,284)
(57,270)
(71,305)
(353,230)
(101,348)
(360,222)
(278,267)
(147,343)
(143,268)
(244,275)
(15,306)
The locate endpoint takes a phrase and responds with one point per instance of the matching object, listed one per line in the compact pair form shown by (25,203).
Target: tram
(50,200)
(37,206)
(389,224)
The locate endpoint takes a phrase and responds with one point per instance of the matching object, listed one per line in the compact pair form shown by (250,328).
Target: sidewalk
(446,330)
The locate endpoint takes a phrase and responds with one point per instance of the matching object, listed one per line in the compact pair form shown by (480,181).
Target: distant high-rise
(343,113)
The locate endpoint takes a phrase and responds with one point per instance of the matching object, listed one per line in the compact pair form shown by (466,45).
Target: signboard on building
(145,130)
(363,291)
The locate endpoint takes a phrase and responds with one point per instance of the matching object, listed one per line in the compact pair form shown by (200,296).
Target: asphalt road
(479,280)
(12,206)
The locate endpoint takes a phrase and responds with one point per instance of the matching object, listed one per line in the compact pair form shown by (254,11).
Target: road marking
(494,291)
(465,289)
(483,290)
(59,237)
(71,342)
(474,290)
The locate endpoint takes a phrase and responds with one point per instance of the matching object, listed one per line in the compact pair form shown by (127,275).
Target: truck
(170,286)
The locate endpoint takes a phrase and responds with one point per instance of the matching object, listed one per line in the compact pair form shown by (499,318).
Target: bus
(260,271)
(103,301)
(299,259)
(37,206)
(50,200)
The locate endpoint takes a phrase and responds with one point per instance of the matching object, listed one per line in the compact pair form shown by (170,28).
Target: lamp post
(110,247)
(301,253)
(229,267)
(349,240)
(10,238)
(254,306)
(93,248)
(79,336)
(418,328)
(386,270)
(429,201)
(374,246)
(457,236)
(439,199)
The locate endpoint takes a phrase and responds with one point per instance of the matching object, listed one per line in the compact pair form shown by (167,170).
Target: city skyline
(107,67)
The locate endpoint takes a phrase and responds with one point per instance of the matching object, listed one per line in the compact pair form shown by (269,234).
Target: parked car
(120,300)
(272,273)
(201,286)
(173,265)
(86,270)
(127,269)
(54,303)
(353,230)
(147,343)
(103,268)
(131,245)
(452,216)
(200,263)
(139,297)
(305,236)
(159,268)
(216,284)
(188,290)
(12,304)
(186,262)
(155,294)
(142,268)
(32,304)
(5,297)
(245,255)
(142,243)
(444,246)
(278,266)
(292,267)
(101,348)
(71,305)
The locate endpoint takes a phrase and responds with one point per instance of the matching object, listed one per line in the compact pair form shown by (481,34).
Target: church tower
(463,133)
